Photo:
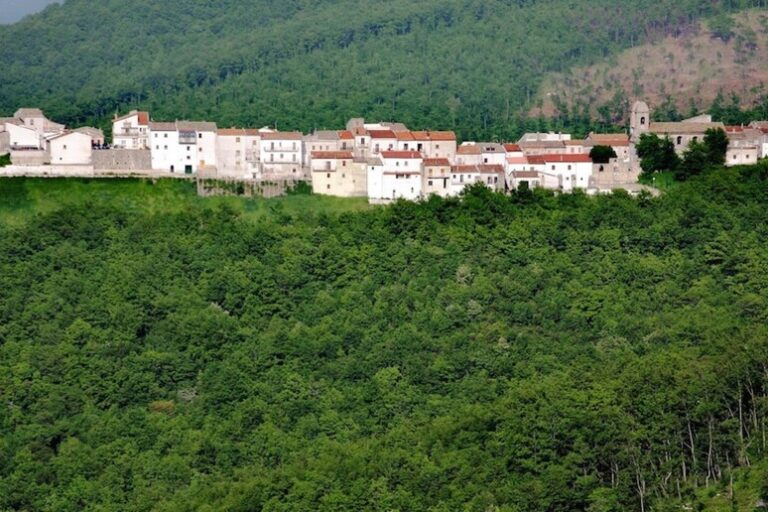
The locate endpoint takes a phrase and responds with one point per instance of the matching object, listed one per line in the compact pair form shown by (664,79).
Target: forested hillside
(721,62)
(470,65)
(525,353)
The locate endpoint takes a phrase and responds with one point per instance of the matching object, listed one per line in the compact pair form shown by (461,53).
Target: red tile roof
(404,136)
(231,132)
(346,135)
(282,136)
(436,162)
(381,134)
(483,168)
(401,154)
(512,148)
(332,155)
(570,159)
(434,136)
(469,150)
(525,174)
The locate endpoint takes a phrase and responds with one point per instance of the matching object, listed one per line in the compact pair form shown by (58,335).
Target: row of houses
(381,161)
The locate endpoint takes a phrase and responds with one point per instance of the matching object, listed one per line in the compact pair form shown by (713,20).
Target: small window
(199,135)
(430,183)
(642,121)
(328,175)
(328,187)
(237,139)
(679,140)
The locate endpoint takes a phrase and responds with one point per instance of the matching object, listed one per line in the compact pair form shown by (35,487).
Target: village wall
(122,160)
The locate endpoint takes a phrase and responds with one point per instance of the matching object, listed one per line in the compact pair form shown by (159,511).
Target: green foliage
(701,156)
(470,65)
(527,352)
(722,27)
(657,154)
(602,154)
(5,160)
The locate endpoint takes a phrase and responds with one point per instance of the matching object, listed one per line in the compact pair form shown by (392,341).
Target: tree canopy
(514,353)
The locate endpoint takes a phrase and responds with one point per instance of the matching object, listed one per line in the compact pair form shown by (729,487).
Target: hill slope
(685,72)
(518,353)
(471,65)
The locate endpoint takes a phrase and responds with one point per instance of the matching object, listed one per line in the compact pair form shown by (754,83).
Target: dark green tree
(602,154)
(657,154)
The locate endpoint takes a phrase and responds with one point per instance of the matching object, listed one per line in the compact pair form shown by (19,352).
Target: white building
(237,153)
(35,119)
(71,148)
(490,175)
(281,156)
(131,131)
(398,175)
(183,146)
(571,171)
(23,137)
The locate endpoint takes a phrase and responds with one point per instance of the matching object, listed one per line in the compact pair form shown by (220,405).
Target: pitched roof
(381,134)
(28,112)
(231,132)
(526,174)
(575,142)
(332,155)
(434,136)
(143,117)
(468,149)
(196,126)
(10,120)
(68,134)
(282,136)
(162,127)
(597,137)
(481,168)
(436,162)
(324,135)
(402,154)
(492,147)
(515,160)
(89,130)
(346,135)
(563,159)
(694,128)
(512,148)
(542,144)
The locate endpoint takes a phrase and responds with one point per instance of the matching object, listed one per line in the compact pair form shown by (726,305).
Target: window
(328,187)
(157,147)
(642,121)
(485,160)
(155,135)
(569,167)
(328,175)
(165,147)
(343,163)
(343,176)
(679,140)
(165,135)
(188,148)
(65,146)
(199,135)
(430,183)
(237,153)
(237,139)
(189,157)
(553,167)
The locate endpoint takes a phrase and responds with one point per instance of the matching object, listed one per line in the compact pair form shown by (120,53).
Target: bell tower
(639,120)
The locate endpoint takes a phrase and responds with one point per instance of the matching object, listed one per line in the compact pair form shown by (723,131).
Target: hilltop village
(381,161)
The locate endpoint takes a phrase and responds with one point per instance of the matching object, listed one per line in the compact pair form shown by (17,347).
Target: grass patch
(660,180)
(22,198)
(5,160)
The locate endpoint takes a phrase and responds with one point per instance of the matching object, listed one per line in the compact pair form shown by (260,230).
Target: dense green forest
(532,352)
(470,65)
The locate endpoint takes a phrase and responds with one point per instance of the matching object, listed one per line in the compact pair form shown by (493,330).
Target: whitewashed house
(71,148)
(35,119)
(237,153)
(131,131)
(183,146)
(571,171)
(281,156)
(397,175)
(490,175)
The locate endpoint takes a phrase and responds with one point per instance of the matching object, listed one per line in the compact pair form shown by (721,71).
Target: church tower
(639,120)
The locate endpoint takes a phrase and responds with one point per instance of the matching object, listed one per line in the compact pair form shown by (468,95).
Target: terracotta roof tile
(402,154)
(436,162)
(382,134)
(332,155)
